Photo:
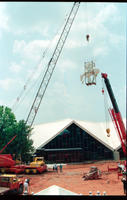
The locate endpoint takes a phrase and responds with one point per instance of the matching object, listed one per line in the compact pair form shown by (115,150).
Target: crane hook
(87,37)
(102,90)
(108,132)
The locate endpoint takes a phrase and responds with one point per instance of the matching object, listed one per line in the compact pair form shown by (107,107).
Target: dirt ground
(71,179)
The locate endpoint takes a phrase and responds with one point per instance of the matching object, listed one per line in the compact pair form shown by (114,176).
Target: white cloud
(72,43)
(116,39)
(1,102)
(96,26)
(45,31)
(18,46)
(15,67)
(6,83)
(102,50)
(96,23)
(108,12)
(31,50)
(65,65)
(3,18)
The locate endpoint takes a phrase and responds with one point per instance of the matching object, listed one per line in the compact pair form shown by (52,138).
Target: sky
(29,32)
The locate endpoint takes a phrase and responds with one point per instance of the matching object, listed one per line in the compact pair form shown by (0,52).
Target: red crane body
(116,115)
(7,144)
(6,160)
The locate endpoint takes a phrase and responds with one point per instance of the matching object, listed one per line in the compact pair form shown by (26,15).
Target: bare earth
(71,179)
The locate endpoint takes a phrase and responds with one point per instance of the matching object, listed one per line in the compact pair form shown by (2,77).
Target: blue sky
(28,29)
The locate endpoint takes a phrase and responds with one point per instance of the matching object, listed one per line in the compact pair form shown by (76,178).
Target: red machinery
(7,144)
(11,184)
(6,159)
(116,116)
(8,165)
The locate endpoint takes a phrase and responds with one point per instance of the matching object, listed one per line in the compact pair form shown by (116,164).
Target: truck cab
(10,183)
(37,162)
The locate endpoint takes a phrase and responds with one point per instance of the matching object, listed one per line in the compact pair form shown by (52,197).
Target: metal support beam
(51,65)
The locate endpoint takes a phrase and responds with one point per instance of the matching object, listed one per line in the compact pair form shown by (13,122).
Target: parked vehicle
(11,184)
(9,165)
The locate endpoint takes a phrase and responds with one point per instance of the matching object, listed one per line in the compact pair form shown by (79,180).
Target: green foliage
(21,146)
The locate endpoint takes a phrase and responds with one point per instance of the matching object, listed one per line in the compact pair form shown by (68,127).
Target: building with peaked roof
(75,141)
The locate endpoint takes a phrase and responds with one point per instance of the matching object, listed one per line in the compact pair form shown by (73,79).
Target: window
(5,179)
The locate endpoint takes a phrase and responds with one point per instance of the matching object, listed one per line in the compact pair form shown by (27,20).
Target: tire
(27,171)
(2,171)
(20,191)
(34,171)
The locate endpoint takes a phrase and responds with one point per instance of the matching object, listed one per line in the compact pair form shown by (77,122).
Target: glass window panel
(73,137)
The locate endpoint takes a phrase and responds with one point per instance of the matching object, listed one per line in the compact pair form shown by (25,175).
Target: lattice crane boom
(51,65)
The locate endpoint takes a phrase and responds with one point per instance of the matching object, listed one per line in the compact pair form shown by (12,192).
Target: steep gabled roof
(98,131)
(55,190)
(44,133)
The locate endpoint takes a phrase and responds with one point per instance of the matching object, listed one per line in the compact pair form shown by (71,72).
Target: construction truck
(9,165)
(116,115)
(117,121)
(11,184)
(37,166)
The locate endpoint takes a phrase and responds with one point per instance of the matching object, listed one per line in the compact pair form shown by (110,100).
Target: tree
(22,145)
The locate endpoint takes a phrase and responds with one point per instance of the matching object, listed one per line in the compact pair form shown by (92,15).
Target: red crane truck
(8,165)
(116,116)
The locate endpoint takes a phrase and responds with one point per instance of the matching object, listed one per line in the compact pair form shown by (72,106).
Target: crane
(51,65)
(115,114)
(7,144)
(43,86)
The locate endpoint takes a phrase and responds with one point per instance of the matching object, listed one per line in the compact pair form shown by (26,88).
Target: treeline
(22,146)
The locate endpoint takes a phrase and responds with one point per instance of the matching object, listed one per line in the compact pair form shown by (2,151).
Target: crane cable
(18,99)
(87,28)
(87,41)
(31,76)
(89,37)
(26,85)
(90,58)
(106,109)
